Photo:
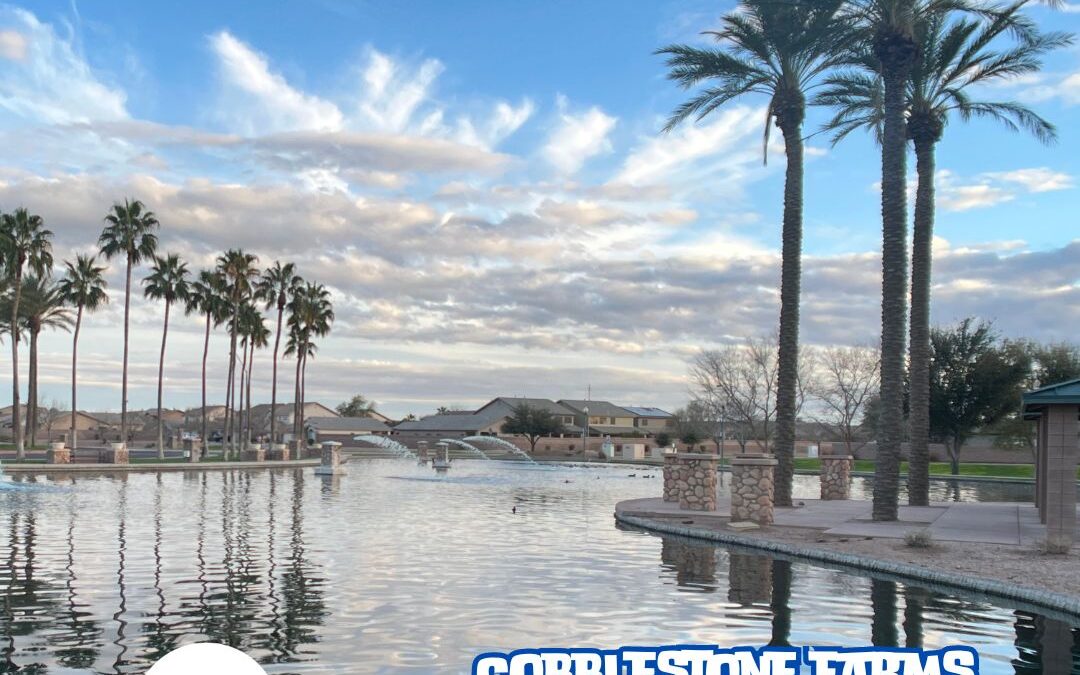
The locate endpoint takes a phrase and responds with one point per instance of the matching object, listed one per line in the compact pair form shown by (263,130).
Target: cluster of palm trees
(901,69)
(233,293)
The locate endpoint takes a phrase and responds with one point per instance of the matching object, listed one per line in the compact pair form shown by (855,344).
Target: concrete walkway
(154,466)
(985,522)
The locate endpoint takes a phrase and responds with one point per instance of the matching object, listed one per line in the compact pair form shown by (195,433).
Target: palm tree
(26,244)
(207,297)
(274,287)
(84,288)
(238,269)
(168,281)
(256,336)
(129,232)
(310,315)
(778,49)
(954,57)
(41,306)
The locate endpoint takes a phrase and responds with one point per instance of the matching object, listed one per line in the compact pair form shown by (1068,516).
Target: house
(651,420)
(452,425)
(87,426)
(504,406)
(193,416)
(343,429)
(260,416)
(604,418)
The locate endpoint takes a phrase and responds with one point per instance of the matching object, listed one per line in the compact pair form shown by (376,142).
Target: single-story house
(343,429)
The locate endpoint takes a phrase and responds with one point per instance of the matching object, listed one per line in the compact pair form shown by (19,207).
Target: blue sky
(485,189)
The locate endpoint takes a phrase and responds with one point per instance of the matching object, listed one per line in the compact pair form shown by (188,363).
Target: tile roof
(598,408)
(346,424)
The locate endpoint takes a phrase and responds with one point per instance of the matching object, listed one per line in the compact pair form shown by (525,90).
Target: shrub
(1056,545)
(663,439)
(919,538)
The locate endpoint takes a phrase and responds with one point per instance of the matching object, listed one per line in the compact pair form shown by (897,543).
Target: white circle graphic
(206,658)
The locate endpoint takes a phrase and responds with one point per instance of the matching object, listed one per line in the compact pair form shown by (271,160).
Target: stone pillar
(749,578)
(58,453)
(116,453)
(752,488)
(193,448)
(836,476)
(331,460)
(690,479)
(671,491)
(279,452)
(1061,460)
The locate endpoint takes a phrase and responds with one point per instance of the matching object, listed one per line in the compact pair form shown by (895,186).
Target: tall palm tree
(778,49)
(168,281)
(954,57)
(238,269)
(256,336)
(129,233)
(311,315)
(25,244)
(277,283)
(84,288)
(41,306)
(207,297)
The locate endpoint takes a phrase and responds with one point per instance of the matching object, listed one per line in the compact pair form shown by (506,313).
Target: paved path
(984,522)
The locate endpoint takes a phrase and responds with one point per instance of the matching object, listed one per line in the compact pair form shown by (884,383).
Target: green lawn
(940,468)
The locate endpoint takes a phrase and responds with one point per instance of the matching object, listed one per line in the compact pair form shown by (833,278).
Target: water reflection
(360,573)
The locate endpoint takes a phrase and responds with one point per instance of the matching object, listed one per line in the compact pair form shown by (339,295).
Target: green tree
(954,57)
(168,281)
(42,306)
(778,49)
(974,382)
(24,244)
(83,287)
(129,233)
(207,297)
(357,406)
(532,423)
(311,314)
(277,283)
(239,271)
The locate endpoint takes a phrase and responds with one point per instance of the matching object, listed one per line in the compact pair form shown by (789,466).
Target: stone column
(752,488)
(331,460)
(749,578)
(193,448)
(691,479)
(116,453)
(836,476)
(671,491)
(58,453)
(1061,460)
(279,452)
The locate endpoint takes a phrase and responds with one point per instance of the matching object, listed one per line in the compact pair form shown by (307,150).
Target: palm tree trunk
(206,351)
(160,382)
(790,282)
(228,413)
(32,392)
(73,441)
(124,386)
(296,399)
(231,420)
(894,264)
(303,398)
(247,396)
(919,349)
(240,408)
(16,427)
(273,388)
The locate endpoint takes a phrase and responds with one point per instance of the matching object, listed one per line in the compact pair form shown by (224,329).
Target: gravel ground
(1020,565)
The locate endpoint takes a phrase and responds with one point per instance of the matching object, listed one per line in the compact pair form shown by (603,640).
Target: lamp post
(585,433)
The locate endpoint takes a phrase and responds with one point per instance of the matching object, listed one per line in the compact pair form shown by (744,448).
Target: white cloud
(12,45)
(258,100)
(577,137)
(1036,179)
(392,92)
(44,79)
(994,187)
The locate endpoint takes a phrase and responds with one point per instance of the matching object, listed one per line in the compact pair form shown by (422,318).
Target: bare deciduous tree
(845,380)
(738,382)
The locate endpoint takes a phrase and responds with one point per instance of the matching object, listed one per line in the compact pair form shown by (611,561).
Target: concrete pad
(870,528)
(988,523)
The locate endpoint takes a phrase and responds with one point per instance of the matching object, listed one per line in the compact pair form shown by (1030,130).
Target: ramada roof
(450,422)
(348,424)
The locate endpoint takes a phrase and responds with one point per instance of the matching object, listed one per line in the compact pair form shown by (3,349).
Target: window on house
(612,421)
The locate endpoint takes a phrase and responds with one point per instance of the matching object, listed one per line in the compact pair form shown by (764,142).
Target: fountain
(442,457)
(387,444)
(509,450)
(472,450)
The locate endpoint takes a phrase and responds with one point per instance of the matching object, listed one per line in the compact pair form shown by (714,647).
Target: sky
(485,189)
